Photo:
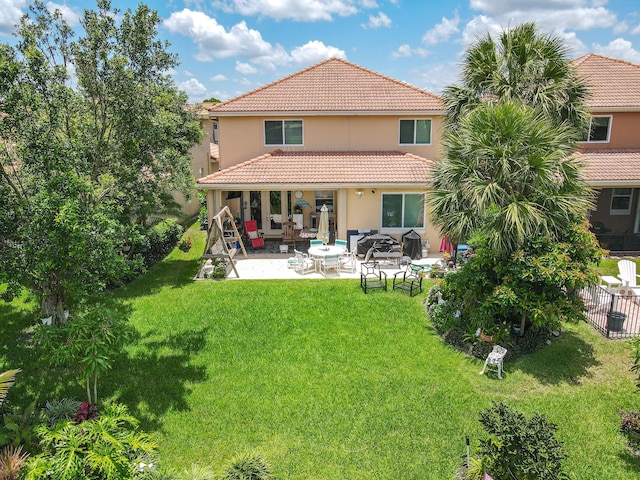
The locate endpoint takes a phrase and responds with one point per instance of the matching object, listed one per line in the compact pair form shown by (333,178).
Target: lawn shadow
(567,360)
(631,460)
(155,378)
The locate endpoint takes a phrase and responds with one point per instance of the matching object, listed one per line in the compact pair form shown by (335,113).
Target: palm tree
(525,65)
(6,380)
(508,174)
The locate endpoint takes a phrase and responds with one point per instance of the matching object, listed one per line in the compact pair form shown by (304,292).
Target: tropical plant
(11,461)
(248,466)
(61,409)
(106,448)
(518,447)
(521,65)
(18,426)
(6,380)
(89,342)
(81,167)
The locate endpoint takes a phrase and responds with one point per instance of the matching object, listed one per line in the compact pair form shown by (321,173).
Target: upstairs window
(283,132)
(599,129)
(415,132)
(621,201)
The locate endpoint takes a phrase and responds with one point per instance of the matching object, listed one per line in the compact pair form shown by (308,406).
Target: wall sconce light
(359,193)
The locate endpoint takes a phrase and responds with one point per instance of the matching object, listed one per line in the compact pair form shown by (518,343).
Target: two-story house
(611,151)
(334,134)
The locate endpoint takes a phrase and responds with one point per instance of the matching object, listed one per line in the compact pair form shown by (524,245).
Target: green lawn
(329,383)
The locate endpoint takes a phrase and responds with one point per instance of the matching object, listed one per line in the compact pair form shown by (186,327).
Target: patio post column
(341,214)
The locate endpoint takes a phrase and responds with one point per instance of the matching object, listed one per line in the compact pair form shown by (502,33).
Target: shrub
(160,239)
(519,447)
(63,409)
(11,461)
(248,466)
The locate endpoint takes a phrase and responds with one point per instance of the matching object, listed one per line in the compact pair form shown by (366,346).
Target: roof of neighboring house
(612,167)
(325,168)
(214,151)
(334,85)
(613,83)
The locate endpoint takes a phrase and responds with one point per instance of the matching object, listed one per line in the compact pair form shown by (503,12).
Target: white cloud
(478,28)
(442,31)
(315,51)
(71,16)
(215,42)
(193,88)
(619,48)
(620,27)
(218,78)
(381,20)
(369,3)
(434,79)
(301,10)
(10,14)
(503,7)
(635,30)
(405,51)
(575,46)
(245,68)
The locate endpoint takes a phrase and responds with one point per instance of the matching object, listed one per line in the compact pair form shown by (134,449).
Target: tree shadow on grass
(155,378)
(567,360)
(632,461)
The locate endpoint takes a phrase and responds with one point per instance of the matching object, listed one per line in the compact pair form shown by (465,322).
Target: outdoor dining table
(321,251)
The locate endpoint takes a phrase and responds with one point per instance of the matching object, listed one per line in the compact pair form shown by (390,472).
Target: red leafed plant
(87,411)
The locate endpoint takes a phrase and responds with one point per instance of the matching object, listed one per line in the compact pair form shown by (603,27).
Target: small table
(284,248)
(613,283)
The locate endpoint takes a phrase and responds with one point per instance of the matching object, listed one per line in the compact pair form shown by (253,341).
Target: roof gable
(334,85)
(612,83)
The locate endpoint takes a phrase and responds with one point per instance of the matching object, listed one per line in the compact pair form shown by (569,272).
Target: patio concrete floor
(274,266)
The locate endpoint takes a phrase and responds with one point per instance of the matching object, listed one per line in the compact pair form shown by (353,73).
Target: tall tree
(523,65)
(95,138)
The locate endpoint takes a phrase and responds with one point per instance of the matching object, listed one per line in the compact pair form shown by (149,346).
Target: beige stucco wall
(200,166)
(242,138)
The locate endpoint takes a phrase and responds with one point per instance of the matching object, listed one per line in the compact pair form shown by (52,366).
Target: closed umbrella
(446,245)
(323,225)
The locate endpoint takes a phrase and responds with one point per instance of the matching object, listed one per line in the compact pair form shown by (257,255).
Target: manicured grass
(329,383)
(609,266)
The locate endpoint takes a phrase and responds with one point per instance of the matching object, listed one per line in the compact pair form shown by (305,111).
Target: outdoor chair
(409,280)
(627,274)
(372,277)
(495,358)
(348,262)
(341,243)
(316,243)
(330,263)
(251,231)
(289,233)
(302,263)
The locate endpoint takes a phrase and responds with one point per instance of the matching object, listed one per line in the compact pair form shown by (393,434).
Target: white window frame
(282,122)
(617,211)
(402,227)
(610,117)
(415,130)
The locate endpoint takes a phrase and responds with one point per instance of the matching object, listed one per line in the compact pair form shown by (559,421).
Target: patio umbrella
(446,245)
(302,203)
(323,225)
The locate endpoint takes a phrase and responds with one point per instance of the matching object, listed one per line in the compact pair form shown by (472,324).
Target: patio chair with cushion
(409,280)
(331,262)
(371,277)
(302,263)
(341,243)
(316,243)
(251,231)
(348,262)
(627,269)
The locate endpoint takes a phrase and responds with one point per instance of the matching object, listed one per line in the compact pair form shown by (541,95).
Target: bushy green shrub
(160,239)
(519,447)
(60,409)
(248,466)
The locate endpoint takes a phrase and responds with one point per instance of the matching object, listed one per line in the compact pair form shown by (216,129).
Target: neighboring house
(612,150)
(204,161)
(334,134)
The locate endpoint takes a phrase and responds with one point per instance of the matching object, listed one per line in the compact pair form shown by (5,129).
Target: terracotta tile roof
(334,85)
(613,83)
(608,166)
(322,168)
(214,151)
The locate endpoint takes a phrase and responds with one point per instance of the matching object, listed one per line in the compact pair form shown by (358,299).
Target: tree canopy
(95,138)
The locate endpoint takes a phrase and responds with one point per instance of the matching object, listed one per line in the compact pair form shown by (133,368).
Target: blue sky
(227,47)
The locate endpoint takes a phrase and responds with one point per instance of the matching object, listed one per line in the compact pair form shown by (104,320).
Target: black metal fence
(615,315)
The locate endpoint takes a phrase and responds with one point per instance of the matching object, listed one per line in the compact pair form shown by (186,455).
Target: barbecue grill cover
(384,243)
(412,245)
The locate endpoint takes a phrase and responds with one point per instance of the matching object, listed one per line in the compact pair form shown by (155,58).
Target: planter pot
(486,338)
(516,330)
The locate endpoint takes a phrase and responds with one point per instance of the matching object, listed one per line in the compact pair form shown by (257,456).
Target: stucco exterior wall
(615,223)
(242,138)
